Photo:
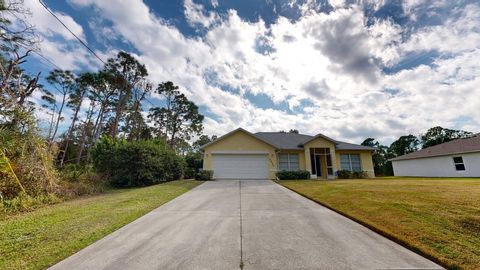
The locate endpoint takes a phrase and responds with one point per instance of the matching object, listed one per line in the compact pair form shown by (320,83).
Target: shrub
(26,159)
(343,174)
(133,164)
(26,202)
(204,175)
(346,174)
(293,175)
(189,173)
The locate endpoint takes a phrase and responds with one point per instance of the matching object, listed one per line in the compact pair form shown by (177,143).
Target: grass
(38,239)
(438,217)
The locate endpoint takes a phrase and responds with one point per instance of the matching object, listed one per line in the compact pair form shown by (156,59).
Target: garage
(240,166)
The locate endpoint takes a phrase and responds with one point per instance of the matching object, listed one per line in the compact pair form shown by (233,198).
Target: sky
(346,69)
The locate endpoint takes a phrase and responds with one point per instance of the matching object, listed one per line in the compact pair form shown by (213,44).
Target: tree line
(407,144)
(90,115)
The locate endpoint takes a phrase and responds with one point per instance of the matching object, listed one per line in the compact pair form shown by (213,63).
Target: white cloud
(196,14)
(326,67)
(58,44)
(49,26)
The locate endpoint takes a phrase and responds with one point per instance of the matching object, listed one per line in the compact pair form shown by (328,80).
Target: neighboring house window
(288,162)
(459,165)
(350,162)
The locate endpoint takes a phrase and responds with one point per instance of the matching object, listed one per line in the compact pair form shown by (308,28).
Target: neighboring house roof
(291,141)
(458,146)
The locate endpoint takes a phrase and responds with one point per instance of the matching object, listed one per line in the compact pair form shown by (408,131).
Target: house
(240,154)
(457,158)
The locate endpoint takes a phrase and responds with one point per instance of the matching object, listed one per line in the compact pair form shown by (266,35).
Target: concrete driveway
(254,224)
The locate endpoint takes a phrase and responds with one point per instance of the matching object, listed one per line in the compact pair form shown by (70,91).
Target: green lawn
(38,239)
(439,217)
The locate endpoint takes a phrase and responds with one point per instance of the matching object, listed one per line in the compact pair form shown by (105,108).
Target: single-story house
(457,158)
(240,154)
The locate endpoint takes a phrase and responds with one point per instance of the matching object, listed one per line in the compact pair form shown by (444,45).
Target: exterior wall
(438,166)
(319,143)
(240,142)
(366,160)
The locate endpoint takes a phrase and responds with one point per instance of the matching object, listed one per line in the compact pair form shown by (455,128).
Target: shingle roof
(458,146)
(283,140)
(351,146)
(291,141)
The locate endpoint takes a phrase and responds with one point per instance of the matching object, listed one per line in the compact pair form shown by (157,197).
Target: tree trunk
(83,139)
(70,131)
(59,116)
(51,123)
(98,123)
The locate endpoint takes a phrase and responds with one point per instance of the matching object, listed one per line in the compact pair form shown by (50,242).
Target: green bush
(346,174)
(343,174)
(189,173)
(293,175)
(24,202)
(204,175)
(133,164)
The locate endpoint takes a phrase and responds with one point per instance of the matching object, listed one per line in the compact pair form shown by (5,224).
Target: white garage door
(240,166)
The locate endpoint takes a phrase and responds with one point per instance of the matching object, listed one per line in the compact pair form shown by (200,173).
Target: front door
(318,165)
(316,162)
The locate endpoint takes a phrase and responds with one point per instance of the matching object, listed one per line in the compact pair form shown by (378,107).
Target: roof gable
(233,132)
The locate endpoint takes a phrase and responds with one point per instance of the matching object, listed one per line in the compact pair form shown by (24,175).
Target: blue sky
(348,69)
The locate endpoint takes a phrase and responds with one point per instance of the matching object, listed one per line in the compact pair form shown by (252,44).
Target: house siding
(365,160)
(240,142)
(441,166)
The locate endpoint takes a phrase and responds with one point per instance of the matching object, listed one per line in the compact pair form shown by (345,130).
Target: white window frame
(289,162)
(459,163)
(350,162)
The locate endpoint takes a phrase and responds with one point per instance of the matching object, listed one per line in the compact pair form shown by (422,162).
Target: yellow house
(240,154)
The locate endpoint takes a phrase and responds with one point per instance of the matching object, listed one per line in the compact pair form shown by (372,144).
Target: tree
(380,157)
(104,92)
(293,131)
(178,118)
(439,135)
(64,83)
(130,75)
(404,145)
(17,41)
(202,140)
(82,84)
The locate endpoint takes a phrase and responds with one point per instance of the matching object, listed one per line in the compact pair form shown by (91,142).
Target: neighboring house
(457,158)
(243,155)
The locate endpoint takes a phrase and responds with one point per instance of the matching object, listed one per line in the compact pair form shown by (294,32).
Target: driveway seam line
(240,217)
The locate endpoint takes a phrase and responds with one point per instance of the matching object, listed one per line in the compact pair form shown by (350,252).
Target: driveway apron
(249,224)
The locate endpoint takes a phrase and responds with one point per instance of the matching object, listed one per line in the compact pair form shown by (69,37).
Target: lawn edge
(146,213)
(376,230)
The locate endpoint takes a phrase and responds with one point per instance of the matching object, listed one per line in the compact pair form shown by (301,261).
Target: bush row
(292,175)
(346,174)
(139,163)
(204,175)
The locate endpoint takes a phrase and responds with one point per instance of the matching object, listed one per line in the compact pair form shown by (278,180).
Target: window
(288,162)
(350,162)
(459,165)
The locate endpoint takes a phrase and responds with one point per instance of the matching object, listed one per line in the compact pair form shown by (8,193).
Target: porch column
(333,156)
(308,163)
